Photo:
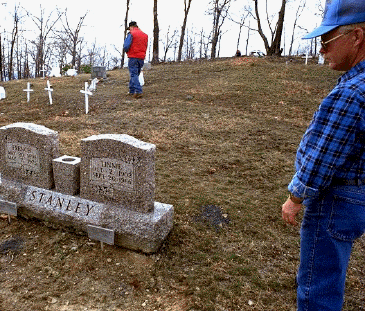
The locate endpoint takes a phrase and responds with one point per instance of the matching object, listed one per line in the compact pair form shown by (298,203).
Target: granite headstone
(98,72)
(118,169)
(26,153)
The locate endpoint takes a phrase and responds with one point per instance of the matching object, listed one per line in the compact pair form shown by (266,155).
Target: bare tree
(299,11)
(13,41)
(241,23)
(320,8)
(190,45)
(125,32)
(26,70)
(248,36)
(1,59)
(187,4)
(45,26)
(121,54)
(273,48)
(219,11)
(169,42)
(92,53)
(204,42)
(156,32)
(60,51)
(72,37)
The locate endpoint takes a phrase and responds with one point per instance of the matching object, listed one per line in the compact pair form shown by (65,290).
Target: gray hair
(348,28)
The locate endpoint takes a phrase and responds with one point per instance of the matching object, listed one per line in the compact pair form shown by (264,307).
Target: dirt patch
(213,216)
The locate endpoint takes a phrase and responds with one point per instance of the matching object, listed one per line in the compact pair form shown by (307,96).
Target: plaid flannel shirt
(333,147)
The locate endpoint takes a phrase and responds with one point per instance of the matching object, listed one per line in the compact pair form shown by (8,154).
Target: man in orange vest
(136,46)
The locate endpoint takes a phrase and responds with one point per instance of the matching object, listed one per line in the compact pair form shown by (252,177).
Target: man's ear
(359,36)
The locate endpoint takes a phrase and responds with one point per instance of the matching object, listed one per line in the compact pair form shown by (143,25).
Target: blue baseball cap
(338,13)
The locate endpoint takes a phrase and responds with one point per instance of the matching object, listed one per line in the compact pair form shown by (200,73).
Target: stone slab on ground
(134,230)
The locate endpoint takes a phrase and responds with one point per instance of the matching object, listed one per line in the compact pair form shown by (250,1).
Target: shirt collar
(354,71)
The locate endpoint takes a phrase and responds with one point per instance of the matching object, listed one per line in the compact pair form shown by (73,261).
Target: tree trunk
(125,32)
(297,15)
(275,47)
(219,12)
(156,32)
(248,37)
(1,60)
(183,28)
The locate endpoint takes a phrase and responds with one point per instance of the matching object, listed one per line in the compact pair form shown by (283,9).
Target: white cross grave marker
(43,72)
(48,88)
(28,90)
(87,93)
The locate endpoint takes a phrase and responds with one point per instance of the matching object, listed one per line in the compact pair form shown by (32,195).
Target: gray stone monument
(116,202)
(118,169)
(26,153)
(147,66)
(98,72)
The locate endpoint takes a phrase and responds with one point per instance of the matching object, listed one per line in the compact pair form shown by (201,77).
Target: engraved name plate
(9,208)
(112,172)
(19,155)
(101,234)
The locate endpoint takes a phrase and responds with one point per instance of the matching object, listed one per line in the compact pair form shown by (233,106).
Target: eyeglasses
(325,44)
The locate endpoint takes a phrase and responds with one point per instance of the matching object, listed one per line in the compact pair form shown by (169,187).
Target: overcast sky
(104,19)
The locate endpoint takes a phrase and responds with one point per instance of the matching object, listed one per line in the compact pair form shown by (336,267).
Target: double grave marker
(107,193)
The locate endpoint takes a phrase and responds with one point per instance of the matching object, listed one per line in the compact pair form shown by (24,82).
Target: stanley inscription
(62,203)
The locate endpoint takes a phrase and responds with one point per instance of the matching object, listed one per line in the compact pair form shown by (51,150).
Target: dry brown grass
(226,133)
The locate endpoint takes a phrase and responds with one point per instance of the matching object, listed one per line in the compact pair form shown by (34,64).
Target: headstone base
(133,230)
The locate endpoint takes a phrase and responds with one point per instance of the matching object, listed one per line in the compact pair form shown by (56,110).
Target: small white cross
(87,93)
(43,71)
(48,88)
(28,90)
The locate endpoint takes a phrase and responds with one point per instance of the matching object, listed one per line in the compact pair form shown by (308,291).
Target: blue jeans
(135,66)
(330,225)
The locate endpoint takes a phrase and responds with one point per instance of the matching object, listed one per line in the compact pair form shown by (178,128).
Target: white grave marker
(49,90)
(2,93)
(72,72)
(28,90)
(55,72)
(43,72)
(87,93)
(93,83)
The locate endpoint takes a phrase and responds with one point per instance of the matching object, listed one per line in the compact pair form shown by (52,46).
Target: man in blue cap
(330,165)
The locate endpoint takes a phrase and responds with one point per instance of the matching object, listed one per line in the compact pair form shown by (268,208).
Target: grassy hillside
(226,133)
